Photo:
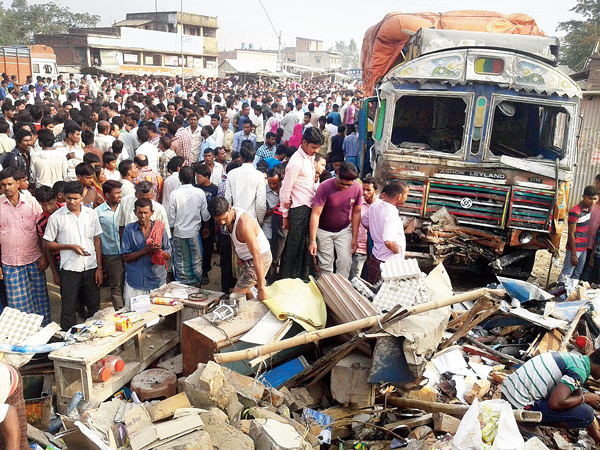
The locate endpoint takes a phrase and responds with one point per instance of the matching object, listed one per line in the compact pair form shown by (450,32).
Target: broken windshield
(529,130)
(429,123)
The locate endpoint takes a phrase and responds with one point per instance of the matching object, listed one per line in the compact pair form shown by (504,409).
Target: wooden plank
(415,422)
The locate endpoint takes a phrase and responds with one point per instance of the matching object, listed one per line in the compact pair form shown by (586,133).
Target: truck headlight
(526,237)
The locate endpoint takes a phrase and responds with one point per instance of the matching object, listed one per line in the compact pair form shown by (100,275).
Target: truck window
(429,123)
(529,130)
(36,68)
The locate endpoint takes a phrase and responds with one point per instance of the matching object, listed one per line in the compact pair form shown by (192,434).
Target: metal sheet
(588,158)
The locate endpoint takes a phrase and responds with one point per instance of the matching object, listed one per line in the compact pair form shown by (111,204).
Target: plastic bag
(492,419)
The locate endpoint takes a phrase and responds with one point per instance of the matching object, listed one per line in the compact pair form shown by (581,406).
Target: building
(247,60)
(159,43)
(310,53)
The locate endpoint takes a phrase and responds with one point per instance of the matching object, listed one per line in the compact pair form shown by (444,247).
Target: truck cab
(483,128)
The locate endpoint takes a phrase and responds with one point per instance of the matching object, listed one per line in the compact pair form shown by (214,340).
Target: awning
(132,22)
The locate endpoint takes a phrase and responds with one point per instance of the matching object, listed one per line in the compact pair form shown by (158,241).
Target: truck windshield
(529,130)
(429,123)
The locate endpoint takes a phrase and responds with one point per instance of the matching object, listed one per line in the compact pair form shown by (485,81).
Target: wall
(137,39)
(588,159)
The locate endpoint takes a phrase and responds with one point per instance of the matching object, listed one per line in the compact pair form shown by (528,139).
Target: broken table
(158,331)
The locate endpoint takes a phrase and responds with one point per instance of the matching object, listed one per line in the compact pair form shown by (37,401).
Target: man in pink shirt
(360,257)
(296,197)
(387,230)
(23,262)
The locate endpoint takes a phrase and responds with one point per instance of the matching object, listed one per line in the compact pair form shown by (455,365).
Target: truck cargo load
(384,42)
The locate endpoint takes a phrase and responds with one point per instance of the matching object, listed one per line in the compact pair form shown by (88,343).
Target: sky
(246,21)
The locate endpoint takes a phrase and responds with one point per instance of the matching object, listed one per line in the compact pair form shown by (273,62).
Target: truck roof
(428,40)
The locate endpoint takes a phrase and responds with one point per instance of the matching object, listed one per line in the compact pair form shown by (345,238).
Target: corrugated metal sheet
(588,158)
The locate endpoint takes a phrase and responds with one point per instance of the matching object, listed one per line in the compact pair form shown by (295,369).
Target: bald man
(103,139)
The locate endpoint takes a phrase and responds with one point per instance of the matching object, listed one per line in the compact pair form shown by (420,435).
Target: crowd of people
(129,182)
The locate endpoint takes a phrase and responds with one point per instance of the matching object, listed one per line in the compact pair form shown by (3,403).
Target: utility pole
(181,41)
(276,34)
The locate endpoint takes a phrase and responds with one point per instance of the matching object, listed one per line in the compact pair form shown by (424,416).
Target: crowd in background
(131,181)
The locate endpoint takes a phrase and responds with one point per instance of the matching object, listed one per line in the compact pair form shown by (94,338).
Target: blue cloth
(571,271)
(110,231)
(350,145)
(337,119)
(240,137)
(141,273)
(243,119)
(272,162)
(26,290)
(265,152)
(581,416)
(353,160)
(2,93)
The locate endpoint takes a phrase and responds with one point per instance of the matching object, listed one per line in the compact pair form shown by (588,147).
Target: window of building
(209,32)
(429,123)
(157,60)
(318,59)
(171,60)
(529,130)
(148,60)
(131,58)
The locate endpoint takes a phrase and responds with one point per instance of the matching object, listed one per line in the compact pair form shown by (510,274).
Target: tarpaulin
(383,42)
(291,298)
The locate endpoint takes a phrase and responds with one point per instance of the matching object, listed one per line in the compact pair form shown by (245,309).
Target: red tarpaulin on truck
(384,41)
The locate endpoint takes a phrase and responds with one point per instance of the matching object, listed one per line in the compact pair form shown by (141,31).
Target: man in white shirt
(172,181)
(48,165)
(196,132)
(103,139)
(126,213)
(7,144)
(75,231)
(148,149)
(128,171)
(246,188)
(187,210)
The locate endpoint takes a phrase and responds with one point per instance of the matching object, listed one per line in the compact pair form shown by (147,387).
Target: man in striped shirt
(577,243)
(552,384)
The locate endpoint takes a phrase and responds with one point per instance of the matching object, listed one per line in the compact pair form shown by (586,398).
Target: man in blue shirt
(267,150)
(335,115)
(141,274)
(111,245)
(351,147)
(245,134)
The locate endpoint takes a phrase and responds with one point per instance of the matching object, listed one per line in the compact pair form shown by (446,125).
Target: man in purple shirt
(334,220)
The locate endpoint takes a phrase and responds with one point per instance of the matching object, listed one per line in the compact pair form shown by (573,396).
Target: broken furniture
(153,384)
(202,339)
(196,301)
(152,336)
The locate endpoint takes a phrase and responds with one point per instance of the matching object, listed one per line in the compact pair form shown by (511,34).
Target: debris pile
(333,363)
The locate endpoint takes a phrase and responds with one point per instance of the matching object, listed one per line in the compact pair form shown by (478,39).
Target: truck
(28,60)
(483,128)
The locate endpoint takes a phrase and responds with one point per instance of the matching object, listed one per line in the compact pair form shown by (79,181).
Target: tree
(349,52)
(21,22)
(581,35)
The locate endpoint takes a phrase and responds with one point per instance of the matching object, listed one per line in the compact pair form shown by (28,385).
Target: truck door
(367,121)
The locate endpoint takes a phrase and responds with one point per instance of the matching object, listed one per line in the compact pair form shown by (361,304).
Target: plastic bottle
(100,372)
(73,408)
(114,363)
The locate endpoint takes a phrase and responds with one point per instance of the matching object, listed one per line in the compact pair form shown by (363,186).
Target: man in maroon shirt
(335,219)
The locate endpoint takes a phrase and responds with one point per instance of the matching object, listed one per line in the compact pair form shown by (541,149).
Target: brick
(273,435)
(445,423)
(262,413)
(197,440)
(249,390)
(227,437)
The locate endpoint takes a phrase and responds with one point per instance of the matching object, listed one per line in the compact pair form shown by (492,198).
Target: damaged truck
(483,128)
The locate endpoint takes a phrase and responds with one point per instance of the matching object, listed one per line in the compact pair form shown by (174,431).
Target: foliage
(349,52)
(581,35)
(21,22)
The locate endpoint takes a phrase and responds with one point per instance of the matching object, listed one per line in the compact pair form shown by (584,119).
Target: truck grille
(470,204)
(414,204)
(531,210)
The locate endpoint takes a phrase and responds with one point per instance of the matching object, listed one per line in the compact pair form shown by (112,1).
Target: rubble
(381,375)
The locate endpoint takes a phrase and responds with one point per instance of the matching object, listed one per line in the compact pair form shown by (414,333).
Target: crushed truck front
(486,139)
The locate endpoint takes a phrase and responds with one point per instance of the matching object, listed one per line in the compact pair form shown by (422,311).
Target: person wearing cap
(13,419)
